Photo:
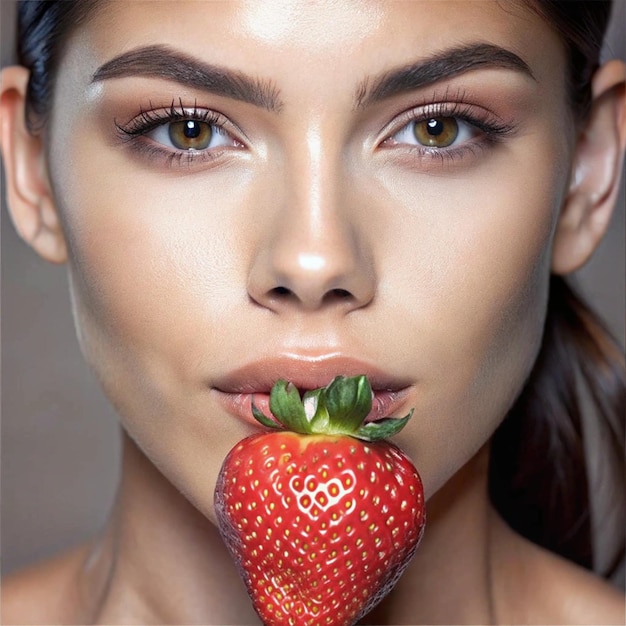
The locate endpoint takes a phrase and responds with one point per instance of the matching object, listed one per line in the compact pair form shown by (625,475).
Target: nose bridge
(315,225)
(313,254)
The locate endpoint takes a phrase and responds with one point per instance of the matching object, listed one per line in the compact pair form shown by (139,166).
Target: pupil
(434,127)
(192,129)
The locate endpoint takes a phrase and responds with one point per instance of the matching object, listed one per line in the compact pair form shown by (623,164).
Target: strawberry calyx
(340,408)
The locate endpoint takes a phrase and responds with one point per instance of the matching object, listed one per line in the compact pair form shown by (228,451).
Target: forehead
(304,42)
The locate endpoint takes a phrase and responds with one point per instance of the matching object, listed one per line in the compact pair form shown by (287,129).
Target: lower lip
(384,404)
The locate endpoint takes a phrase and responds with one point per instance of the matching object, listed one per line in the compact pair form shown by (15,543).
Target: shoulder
(44,593)
(537,586)
(572,595)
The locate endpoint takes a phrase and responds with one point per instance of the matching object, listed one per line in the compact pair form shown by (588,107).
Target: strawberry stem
(340,408)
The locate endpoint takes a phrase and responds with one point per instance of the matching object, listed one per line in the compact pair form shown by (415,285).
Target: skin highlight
(318,224)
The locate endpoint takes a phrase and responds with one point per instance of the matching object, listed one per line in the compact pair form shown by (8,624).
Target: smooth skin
(314,227)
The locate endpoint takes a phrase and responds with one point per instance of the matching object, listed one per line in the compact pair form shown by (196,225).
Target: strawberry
(322,515)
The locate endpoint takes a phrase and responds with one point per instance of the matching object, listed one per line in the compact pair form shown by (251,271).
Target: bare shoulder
(572,595)
(537,586)
(45,593)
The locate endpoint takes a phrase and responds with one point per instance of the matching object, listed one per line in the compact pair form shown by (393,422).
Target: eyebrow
(162,62)
(438,67)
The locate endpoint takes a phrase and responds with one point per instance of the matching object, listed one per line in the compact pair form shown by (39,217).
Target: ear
(28,191)
(596,172)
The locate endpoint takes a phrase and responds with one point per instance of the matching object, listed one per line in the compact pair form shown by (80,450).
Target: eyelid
(485,121)
(135,133)
(487,127)
(149,119)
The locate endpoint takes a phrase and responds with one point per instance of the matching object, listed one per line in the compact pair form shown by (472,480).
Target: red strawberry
(321,521)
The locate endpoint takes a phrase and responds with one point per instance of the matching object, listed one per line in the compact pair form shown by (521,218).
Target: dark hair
(539,478)
(582,27)
(44,27)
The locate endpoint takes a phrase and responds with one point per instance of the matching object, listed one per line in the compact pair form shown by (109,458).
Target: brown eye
(436,132)
(190,134)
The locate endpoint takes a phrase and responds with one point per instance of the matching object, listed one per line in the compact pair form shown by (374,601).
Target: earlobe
(29,195)
(595,180)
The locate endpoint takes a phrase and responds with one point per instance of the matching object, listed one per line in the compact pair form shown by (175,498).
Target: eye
(190,135)
(435,132)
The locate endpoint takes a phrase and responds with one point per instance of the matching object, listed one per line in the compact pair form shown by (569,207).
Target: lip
(236,389)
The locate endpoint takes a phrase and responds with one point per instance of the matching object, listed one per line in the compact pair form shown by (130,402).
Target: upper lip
(305,372)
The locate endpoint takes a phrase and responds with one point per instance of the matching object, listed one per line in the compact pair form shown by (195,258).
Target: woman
(248,191)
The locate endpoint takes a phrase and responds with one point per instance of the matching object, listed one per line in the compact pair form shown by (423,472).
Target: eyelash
(492,128)
(148,120)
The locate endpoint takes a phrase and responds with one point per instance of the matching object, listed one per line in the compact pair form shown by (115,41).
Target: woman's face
(301,190)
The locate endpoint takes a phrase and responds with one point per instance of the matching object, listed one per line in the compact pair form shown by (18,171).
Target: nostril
(281,291)
(333,295)
(337,295)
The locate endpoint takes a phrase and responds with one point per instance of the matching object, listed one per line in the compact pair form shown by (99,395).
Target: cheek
(476,278)
(155,264)
(155,272)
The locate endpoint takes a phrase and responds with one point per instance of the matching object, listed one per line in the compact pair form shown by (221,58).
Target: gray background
(60,443)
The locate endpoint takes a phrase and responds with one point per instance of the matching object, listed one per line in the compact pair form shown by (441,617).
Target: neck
(449,579)
(160,561)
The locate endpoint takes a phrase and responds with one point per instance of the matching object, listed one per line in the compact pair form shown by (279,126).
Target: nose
(313,253)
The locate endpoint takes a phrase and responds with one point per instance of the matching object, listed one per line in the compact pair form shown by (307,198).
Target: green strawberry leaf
(259,416)
(340,408)
(382,429)
(287,407)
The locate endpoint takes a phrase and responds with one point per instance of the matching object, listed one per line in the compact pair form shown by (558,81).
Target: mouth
(237,390)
